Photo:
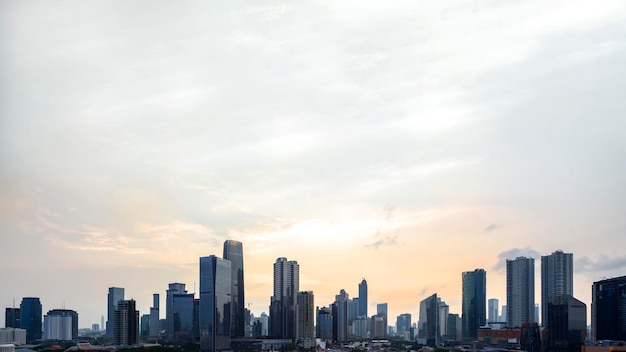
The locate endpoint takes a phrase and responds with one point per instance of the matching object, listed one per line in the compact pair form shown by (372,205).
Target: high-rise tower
(215,304)
(608,309)
(362,311)
(126,326)
(233,251)
(473,306)
(30,318)
(173,289)
(115,295)
(557,278)
(154,325)
(283,302)
(520,291)
(492,310)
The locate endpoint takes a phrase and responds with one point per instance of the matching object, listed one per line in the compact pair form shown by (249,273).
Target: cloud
(391,240)
(423,291)
(601,263)
(491,227)
(512,254)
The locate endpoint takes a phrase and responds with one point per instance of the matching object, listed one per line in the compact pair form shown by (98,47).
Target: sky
(402,142)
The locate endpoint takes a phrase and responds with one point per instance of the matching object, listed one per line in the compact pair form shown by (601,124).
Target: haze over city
(402,142)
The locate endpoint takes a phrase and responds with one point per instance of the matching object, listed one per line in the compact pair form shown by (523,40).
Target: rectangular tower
(608,309)
(473,307)
(115,295)
(283,302)
(520,291)
(30,318)
(215,304)
(492,310)
(305,328)
(233,251)
(557,278)
(362,311)
(126,323)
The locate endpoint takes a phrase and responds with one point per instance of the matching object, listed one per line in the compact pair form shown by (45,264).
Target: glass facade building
(215,304)
(115,295)
(283,302)
(567,323)
(362,311)
(608,309)
(30,318)
(557,278)
(520,291)
(474,310)
(233,251)
(12,318)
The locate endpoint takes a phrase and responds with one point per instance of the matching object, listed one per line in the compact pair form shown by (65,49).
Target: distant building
(12,318)
(382,309)
(324,321)
(30,318)
(453,331)
(362,308)
(403,323)
(233,251)
(154,325)
(608,309)
(116,294)
(557,278)
(520,291)
(378,327)
(492,310)
(305,328)
(361,327)
(95,327)
(60,324)
(126,323)
(567,323)
(183,317)
(530,337)
(175,288)
(144,327)
(215,304)
(340,316)
(283,301)
(13,336)
(429,326)
(474,312)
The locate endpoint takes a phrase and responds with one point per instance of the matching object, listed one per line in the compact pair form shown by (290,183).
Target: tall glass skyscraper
(215,304)
(520,291)
(473,307)
(174,288)
(608,309)
(567,323)
(12,318)
(557,278)
(115,295)
(362,311)
(30,318)
(283,302)
(233,251)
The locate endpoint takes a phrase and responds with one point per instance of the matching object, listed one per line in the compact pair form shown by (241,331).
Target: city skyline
(402,143)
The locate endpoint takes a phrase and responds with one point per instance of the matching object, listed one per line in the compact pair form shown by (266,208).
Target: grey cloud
(491,227)
(386,241)
(512,254)
(601,263)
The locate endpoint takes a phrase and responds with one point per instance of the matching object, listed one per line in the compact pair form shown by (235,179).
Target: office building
(492,310)
(233,251)
(183,317)
(60,324)
(12,318)
(175,288)
(215,304)
(13,336)
(340,316)
(144,327)
(115,295)
(520,291)
(567,323)
(473,307)
(403,323)
(429,332)
(557,278)
(154,324)
(30,318)
(608,309)
(378,326)
(382,310)
(324,323)
(283,302)
(305,324)
(362,306)
(126,323)
(453,328)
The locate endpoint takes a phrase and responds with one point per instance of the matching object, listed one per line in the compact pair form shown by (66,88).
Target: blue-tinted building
(608,309)
(215,304)
(324,321)
(116,294)
(233,251)
(183,312)
(362,311)
(30,318)
(12,318)
(474,310)
(567,323)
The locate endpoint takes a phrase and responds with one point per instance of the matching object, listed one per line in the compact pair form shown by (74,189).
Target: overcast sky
(401,142)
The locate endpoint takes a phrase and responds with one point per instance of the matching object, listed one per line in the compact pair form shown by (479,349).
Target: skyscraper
(283,302)
(428,326)
(340,316)
(403,323)
(567,323)
(126,323)
(608,309)
(215,304)
(492,310)
(154,324)
(115,295)
(173,289)
(30,318)
(473,305)
(557,278)
(305,328)
(324,323)
(12,318)
(520,291)
(362,311)
(60,324)
(382,310)
(233,251)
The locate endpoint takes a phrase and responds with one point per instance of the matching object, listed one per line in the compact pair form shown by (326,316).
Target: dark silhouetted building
(557,278)
(12,318)
(403,323)
(520,291)
(30,318)
(215,304)
(474,310)
(126,323)
(154,324)
(530,337)
(305,328)
(174,288)
(340,316)
(428,325)
(567,323)
(115,295)
(324,321)
(233,251)
(362,307)
(608,309)
(283,302)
